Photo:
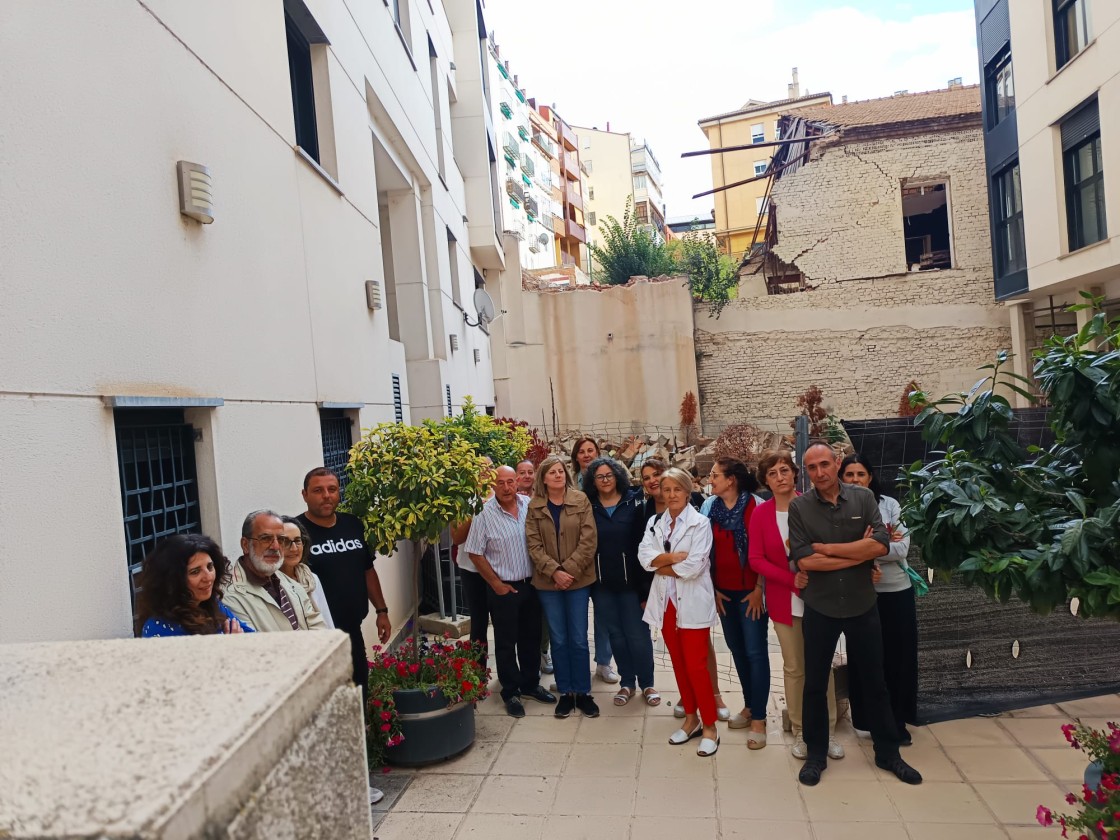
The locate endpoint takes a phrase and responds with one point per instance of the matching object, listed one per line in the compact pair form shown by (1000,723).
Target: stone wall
(866,326)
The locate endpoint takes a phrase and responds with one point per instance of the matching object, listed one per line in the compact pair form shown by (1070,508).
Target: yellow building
(740,211)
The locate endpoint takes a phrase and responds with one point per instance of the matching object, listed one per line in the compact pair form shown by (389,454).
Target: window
(777,130)
(925,225)
(999,89)
(448,391)
(159,482)
(453,261)
(311,94)
(591,193)
(641,213)
(437,108)
(1084,174)
(591,218)
(403,19)
(398,403)
(761,205)
(760,167)
(303,88)
(336,430)
(640,182)
(1009,243)
(1071,29)
(758,133)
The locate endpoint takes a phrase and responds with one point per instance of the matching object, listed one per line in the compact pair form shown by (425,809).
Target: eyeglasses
(603,479)
(265,540)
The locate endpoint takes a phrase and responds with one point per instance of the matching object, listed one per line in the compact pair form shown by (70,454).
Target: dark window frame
(1000,69)
(1066,13)
(1009,236)
(302,80)
(1077,186)
(336,430)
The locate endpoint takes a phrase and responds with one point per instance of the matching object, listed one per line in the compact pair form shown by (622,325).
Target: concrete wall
(613,355)
(218,737)
(109,291)
(866,327)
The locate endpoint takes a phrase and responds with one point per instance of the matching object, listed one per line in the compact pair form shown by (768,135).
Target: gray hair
(247,525)
(678,476)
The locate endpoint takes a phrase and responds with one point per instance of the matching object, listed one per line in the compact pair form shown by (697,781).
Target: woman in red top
(739,592)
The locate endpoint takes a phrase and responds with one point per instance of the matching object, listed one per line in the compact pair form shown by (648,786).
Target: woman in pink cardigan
(768,554)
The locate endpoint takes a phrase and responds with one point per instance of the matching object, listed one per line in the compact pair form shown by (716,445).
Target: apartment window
(1010,244)
(453,261)
(437,108)
(1000,89)
(640,182)
(159,481)
(303,84)
(1084,173)
(403,19)
(591,193)
(760,167)
(925,224)
(398,402)
(641,213)
(336,430)
(1071,29)
(758,133)
(777,130)
(448,393)
(761,205)
(591,219)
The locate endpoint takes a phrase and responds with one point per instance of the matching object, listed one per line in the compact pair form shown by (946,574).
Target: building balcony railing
(569,163)
(575,231)
(544,143)
(572,196)
(568,136)
(558,225)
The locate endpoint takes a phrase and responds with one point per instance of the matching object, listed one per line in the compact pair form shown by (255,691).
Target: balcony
(528,167)
(558,225)
(567,136)
(569,164)
(572,196)
(507,111)
(523,133)
(575,231)
(531,209)
(515,191)
(544,143)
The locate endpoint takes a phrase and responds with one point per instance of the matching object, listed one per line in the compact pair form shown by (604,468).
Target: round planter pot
(1093,774)
(432,731)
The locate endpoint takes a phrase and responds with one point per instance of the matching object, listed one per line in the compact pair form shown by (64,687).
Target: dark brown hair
(736,469)
(318,471)
(771,459)
(163,585)
(575,449)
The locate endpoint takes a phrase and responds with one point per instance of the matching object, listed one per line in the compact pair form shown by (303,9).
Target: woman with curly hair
(180,590)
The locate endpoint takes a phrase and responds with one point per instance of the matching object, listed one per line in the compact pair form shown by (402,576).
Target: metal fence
(337,432)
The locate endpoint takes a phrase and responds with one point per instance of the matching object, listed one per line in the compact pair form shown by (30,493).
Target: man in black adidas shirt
(344,563)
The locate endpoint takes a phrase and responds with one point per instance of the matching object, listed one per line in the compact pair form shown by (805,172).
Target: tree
(912,401)
(630,249)
(712,276)
(1042,524)
(688,412)
(503,441)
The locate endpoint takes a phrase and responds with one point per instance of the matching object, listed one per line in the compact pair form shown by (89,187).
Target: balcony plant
(1042,524)
(1098,814)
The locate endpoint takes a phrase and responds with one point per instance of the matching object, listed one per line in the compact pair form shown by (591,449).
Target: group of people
(552,540)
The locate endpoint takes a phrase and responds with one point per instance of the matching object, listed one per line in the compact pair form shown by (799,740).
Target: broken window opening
(925,224)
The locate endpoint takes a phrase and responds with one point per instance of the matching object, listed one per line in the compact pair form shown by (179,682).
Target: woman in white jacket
(676,548)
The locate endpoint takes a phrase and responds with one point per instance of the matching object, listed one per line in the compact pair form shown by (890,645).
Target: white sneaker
(834,749)
(375,795)
(678,710)
(723,713)
(546,663)
(799,750)
(607,674)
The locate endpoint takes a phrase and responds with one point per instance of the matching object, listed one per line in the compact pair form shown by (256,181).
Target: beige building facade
(163,374)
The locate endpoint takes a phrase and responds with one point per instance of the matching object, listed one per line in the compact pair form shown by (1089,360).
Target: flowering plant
(457,668)
(1099,816)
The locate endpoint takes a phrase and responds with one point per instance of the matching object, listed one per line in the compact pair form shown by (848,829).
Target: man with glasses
(258,594)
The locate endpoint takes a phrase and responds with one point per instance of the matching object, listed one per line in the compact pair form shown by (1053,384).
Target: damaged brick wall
(866,326)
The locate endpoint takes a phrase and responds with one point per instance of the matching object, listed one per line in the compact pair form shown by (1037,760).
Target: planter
(432,730)
(1093,775)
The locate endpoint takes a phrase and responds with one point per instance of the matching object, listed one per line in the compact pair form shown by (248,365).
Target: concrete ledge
(176,738)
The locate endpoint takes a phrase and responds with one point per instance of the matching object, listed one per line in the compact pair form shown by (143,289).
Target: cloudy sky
(655,67)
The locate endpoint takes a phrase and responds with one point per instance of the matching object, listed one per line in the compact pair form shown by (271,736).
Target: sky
(654,68)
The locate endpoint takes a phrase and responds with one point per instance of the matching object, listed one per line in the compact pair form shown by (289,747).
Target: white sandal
(707,747)
(756,740)
(681,737)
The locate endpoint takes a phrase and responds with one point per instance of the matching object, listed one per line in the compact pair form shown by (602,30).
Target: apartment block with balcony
(285,259)
(645,173)
(1051,103)
(741,212)
(573,240)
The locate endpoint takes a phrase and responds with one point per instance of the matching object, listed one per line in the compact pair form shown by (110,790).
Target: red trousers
(688,651)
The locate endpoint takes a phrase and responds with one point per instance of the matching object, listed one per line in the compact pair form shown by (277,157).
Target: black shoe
(900,768)
(811,771)
(514,708)
(587,706)
(539,694)
(565,705)
(905,739)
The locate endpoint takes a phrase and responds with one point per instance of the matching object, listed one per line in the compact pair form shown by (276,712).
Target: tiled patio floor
(617,778)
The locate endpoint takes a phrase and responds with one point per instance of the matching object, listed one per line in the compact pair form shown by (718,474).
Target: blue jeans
(567,625)
(746,638)
(630,636)
(603,652)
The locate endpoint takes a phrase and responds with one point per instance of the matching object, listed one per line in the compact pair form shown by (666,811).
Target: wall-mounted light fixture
(373,295)
(196,196)
(477,356)
(454,342)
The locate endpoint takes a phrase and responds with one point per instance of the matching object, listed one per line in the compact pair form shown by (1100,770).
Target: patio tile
(760,799)
(1106,706)
(940,802)
(1064,763)
(540,730)
(595,795)
(518,759)
(1029,833)
(753,829)
(1046,710)
(392,784)
(856,764)
(858,831)
(515,795)
(970,732)
(929,759)
(674,828)
(1016,803)
(408,826)
(439,793)
(563,827)
(603,760)
(773,762)
(943,831)
(995,764)
(840,800)
(492,727)
(670,762)
(614,730)
(1036,732)
(476,760)
(498,827)
(693,798)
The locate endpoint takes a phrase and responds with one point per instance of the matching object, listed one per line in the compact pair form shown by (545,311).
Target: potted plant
(1098,815)
(407,685)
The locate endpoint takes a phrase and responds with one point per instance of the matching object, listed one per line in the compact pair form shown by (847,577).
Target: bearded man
(258,594)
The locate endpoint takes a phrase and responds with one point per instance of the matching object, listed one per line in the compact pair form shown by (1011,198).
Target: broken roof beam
(750,146)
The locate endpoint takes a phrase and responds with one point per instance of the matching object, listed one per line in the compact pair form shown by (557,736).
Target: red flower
(1071,799)
(1044,816)
(385,727)
(467,686)
(386,715)
(375,703)
(413,668)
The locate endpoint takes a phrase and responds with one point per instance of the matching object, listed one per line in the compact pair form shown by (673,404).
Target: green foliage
(712,276)
(504,442)
(630,249)
(1041,524)
(410,482)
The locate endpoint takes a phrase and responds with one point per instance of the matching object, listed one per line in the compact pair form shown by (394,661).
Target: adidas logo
(333,547)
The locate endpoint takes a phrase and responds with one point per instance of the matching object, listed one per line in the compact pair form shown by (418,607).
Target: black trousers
(476,590)
(865,648)
(898,615)
(517,637)
(361,661)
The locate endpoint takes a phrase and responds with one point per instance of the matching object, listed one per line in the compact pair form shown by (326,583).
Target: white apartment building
(525,172)
(233,235)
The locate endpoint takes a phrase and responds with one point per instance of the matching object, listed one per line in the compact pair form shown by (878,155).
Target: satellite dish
(484,306)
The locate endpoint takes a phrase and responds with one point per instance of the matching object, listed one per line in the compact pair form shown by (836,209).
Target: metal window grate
(448,389)
(335,428)
(159,481)
(398,405)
